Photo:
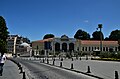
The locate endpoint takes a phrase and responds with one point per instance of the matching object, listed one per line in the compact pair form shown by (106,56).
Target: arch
(71,46)
(57,46)
(64,47)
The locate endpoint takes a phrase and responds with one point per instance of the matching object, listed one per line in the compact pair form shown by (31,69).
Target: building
(66,44)
(16,44)
(90,46)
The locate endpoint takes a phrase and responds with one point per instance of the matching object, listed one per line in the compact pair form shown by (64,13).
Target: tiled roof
(42,41)
(94,42)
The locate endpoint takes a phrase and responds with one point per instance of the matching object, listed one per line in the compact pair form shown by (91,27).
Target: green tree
(48,36)
(115,35)
(107,39)
(80,34)
(3,35)
(96,35)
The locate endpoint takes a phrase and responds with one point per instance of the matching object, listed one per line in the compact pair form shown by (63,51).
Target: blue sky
(35,18)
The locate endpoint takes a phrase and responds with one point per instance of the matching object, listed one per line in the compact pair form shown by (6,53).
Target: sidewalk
(10,71)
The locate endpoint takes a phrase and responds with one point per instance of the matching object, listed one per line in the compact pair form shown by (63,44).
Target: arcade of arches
(66,44)
(65,47)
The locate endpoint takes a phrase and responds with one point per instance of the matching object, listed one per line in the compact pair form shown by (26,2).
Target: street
(43,71)
(104,69)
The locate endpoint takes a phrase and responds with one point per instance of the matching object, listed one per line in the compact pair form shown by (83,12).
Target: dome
(64,37)
(25,45)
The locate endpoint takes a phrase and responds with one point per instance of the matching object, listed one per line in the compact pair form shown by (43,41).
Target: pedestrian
(2,61)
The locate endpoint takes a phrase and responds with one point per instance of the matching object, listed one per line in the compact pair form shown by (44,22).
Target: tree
(3,35)
(80,34)
(48,36)
(115,35)
(107,39)
(96,35)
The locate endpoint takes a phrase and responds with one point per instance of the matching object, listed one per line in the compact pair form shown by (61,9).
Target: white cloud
(86,21)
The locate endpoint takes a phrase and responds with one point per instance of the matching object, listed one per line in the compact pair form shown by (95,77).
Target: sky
(35,18)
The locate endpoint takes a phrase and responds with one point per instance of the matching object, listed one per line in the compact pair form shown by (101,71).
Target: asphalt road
(43,71)
(104,69)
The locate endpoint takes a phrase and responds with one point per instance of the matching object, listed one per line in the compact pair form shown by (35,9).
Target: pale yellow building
(66,44)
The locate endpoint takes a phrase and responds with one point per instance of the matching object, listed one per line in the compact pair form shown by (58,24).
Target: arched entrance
(71,46)
(64,47)
(57,46)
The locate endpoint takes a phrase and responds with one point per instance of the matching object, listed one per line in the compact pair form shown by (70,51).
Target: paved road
(43,71)
(104,69)
(10,71)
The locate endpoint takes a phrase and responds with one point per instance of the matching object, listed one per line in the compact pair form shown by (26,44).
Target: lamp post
(100,27)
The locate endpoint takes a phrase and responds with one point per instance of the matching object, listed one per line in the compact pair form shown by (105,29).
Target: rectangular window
(92,48)
(89,49)
(95,48)
(103,48)
(116,48)
(82,48)
(106,48)
(85,48)
(98,48)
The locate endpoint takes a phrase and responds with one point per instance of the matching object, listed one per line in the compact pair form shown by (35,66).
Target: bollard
(71,66)
(47,61)
(43,60)
(116,75)
(24,77)
(80,58)
(72,59)
(21,70)
(60,64)
(53,62)
(88,69)
(19,66)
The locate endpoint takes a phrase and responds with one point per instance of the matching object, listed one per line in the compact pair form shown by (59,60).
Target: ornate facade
(66,44)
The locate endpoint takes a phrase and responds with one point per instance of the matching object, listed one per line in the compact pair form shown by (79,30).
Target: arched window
(64,47)
(71,46)
(57,46)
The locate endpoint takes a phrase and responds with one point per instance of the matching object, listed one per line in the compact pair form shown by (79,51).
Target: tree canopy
(80,34)
(3,35)
(48,36)
(96,35)
(114,35)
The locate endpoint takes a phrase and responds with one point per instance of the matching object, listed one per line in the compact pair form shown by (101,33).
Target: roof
(42,41)
(96,42)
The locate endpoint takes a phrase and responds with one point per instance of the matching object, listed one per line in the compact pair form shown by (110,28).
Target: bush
(110,55)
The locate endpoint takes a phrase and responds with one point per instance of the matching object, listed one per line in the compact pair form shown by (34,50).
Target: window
(89,49)
(92,48)
(106,48)
(103,48)
(116,48)
(82,48)
(95,48)
(85,48)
